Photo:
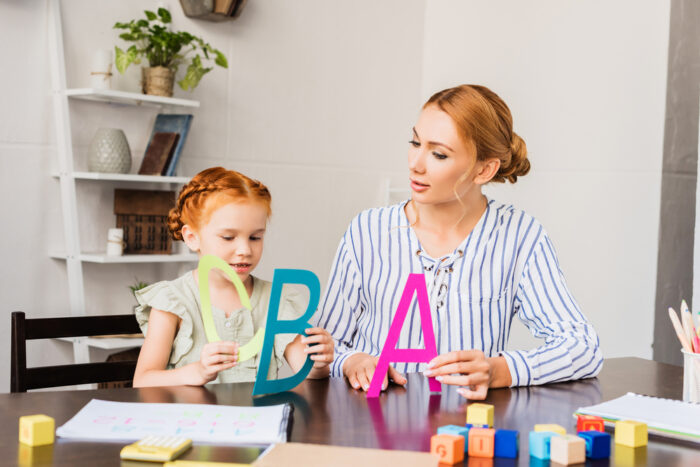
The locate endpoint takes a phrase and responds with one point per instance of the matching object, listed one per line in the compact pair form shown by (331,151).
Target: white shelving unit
(68,178)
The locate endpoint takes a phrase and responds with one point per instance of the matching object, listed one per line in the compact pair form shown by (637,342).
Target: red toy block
(448,448)
(481,442)
(589,423)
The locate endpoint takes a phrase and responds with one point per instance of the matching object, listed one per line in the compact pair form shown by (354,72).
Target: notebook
(664,417)
(202,423)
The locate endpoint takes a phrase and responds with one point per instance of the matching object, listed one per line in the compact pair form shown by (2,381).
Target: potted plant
(136,286)
(165,51)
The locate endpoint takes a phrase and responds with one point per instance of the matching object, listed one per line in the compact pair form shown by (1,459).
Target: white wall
(586,83)
(318,102)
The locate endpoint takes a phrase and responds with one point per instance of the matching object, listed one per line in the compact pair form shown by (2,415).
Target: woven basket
(157,81)
(143,215)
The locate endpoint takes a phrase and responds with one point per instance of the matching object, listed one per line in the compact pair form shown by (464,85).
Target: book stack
(165,145)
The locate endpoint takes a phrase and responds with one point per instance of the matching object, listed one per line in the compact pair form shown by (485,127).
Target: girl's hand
(216,357)
(319,344)
(470,368)
(359,368)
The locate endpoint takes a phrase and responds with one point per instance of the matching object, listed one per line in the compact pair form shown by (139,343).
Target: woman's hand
(319,344)
(216,357)
(359,369)
(470,368)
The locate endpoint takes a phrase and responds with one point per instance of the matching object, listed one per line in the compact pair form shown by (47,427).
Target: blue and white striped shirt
(505,267)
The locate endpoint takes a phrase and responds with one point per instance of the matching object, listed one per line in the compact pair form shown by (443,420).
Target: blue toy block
(539,444)
(506,444)
(597,444)
(455,430)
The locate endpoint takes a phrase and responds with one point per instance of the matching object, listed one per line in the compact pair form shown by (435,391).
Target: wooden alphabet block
(551,427)
(455,430)
(567,450)
(539,443)
(589,423)
(597,444)
(630,433)
(482,442)
(506,444)
(480,414)
(448,448)
(36,430)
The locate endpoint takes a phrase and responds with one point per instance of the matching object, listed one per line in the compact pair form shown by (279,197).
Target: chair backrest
(23,378)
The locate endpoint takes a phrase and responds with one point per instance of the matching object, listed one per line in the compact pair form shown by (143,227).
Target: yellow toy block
(630,433)
(553,427)
(626,456)
(480,414)
(567,449)
(36,430)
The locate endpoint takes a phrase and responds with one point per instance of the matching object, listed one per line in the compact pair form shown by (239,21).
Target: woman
(484,262)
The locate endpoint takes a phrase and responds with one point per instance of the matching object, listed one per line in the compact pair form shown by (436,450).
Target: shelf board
(106,343)
(127,98)
(103,258)
(115,177)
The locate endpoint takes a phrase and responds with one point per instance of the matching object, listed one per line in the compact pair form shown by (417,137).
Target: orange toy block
(481,442)
(448,448)
(589,423)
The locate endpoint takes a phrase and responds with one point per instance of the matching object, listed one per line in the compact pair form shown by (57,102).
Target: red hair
(485,122)
(207,191)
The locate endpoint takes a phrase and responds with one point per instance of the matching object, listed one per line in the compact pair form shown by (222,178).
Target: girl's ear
(190,237)
(487,171)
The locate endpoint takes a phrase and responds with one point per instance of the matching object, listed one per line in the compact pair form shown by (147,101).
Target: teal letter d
(294,326)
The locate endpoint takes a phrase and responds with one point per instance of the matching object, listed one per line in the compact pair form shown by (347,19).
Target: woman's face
(438,158)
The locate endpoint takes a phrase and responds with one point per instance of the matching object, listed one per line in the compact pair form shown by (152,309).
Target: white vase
(109,152)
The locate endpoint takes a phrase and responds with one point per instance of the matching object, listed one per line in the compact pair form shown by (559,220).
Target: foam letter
(294,326)
(206,264)
(415,282)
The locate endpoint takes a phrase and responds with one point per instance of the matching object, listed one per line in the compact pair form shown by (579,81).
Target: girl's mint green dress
(181,298)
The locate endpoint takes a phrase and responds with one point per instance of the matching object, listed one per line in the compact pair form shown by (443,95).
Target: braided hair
(193,208)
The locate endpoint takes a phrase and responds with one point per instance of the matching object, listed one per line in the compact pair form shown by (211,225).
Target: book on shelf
(159,153)
(172,123)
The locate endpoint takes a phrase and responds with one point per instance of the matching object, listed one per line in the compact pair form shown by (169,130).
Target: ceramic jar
(109,152)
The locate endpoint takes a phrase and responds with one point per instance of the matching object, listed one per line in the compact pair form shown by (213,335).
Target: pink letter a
(415,282)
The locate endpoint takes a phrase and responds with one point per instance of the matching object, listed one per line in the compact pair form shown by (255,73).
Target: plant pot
(157,81)
(109,152)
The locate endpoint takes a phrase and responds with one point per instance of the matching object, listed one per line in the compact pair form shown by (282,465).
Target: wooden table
(330,412)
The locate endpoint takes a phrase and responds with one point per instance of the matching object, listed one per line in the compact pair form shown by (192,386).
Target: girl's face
(234,233)
(438,158)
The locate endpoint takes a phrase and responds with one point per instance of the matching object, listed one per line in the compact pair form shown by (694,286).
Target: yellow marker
(553,427)
(36,430)
(480,414)
(203,464)
(156,448)
(630,433)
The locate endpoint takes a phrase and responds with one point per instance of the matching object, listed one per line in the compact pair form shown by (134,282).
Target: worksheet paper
(202,423)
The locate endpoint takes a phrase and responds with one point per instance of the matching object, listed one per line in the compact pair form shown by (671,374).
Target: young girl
(484,263)
(223,213)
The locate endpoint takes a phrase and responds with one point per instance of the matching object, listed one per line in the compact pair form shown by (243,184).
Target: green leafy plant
(162,47)
(138,285)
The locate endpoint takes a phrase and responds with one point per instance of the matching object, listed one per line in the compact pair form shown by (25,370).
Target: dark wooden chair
(23,378)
